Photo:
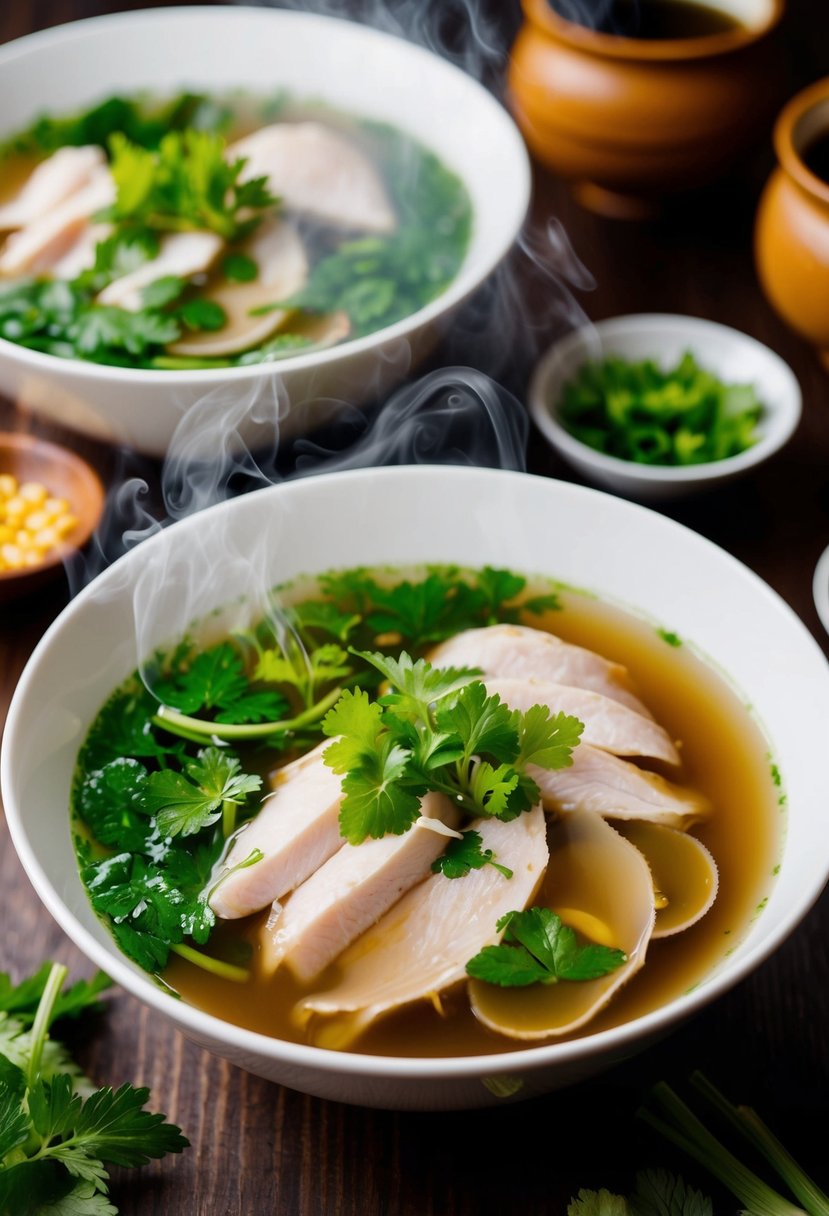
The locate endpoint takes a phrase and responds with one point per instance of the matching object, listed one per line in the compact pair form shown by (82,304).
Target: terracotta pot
(631,120)
(792,230)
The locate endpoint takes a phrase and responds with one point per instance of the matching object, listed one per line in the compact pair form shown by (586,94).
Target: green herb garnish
(466,854)
(657,1193)
(537,948)
(437,729)
(638,412)
(56,1130)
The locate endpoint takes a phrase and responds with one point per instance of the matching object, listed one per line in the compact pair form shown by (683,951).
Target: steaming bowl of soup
(682,598)
(380,83)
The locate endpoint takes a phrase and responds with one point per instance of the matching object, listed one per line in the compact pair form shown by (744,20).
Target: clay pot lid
(65,475)
(790,140)
(655,50)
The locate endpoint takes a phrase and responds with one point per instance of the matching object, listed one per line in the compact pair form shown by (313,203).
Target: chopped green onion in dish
(639,412)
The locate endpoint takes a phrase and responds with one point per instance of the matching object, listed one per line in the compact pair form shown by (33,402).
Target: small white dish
(731,355)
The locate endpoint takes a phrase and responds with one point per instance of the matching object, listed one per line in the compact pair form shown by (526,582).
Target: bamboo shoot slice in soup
(685,876)
(600,885)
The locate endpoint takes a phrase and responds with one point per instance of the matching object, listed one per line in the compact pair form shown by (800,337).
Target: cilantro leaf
(22,999)
(111,801)
(547,740)
(184,803)
(327,617)
(493,789)
(187,183)
(464,855)
(14,1125)
(416,684)
(659,1193)
(215,679)
(538,948)
(355,724)
(112,1125)
(483,723)
(598,1203)
(240,268)
(376,800)
(123,728)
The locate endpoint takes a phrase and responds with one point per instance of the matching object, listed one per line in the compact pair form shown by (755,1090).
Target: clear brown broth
(724,755)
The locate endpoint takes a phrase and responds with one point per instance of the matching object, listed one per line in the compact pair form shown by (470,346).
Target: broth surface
(724,755)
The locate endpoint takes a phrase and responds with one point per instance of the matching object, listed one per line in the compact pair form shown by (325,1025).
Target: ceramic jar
(629,120)
(792,229)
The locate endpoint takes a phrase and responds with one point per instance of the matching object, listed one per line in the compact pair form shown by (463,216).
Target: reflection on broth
(425,1010)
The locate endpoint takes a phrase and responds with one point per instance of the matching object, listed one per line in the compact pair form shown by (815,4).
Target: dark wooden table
(257,1148)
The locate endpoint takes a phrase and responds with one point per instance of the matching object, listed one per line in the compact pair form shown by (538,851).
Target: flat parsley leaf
(466,854)
(598,1203)
(22,999)
(415,683)
(374,800)
(483,723)
(184,803)
(215,679)
(547,740)
(538,948)
(659,1193)
(355,723)
(110,800)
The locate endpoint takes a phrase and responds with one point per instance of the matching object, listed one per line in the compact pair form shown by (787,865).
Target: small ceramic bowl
(731,355)
(791,239)
(65,475)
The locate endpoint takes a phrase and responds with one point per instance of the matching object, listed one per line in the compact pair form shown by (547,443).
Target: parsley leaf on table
(598,1203)
(56,1131)
(538,948)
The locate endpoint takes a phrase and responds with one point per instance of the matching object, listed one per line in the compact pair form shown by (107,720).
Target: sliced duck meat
(182,254)
(297,829)
(318,172)
(282,268)
(616,789)
(33,249)
(351,891)
(422,945)
(607,724)
(50,183)
(520,652)
(80,255)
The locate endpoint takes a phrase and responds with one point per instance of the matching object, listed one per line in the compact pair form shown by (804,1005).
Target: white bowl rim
(784,418)
(203,1025)
(458,289)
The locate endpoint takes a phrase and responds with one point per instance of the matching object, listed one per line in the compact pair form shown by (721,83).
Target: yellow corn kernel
(33,557)
(34,492)
(8,485)
(64,525)
(36,520)
(22,539)
(47,538)
(6,533)
(12,556)
(55,506)
(16,508)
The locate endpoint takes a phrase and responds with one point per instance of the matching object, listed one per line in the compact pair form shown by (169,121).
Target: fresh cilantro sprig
(656,1193)
(466,854)
(538,948)
(436,729)
(184,803)
(57,1132)
(187,183)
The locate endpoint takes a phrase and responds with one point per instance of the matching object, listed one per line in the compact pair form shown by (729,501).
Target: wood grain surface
(257,1148)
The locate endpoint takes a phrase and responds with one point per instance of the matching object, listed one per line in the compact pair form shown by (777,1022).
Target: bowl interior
(159,52)
(398,517)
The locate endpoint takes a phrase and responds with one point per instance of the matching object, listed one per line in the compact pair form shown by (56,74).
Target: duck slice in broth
(181,254)
(422,945)
(600,886)
(80,255)
(606,785)
(282,269)
(316,171)
(33,249)
(297,829)
(685,875)
(607,724)
(50,183)
(351,891)
(520,652)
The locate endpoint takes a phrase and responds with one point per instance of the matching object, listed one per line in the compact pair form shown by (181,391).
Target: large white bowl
(398,516)
(352,67)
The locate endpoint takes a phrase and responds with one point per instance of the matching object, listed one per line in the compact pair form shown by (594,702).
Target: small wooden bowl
(66,476)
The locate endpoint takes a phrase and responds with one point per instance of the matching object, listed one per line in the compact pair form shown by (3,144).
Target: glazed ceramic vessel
(631,121)
(792,231)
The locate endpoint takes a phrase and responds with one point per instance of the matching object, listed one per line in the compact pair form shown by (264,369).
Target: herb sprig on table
(57,1131)
(161,784)
(637,411)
